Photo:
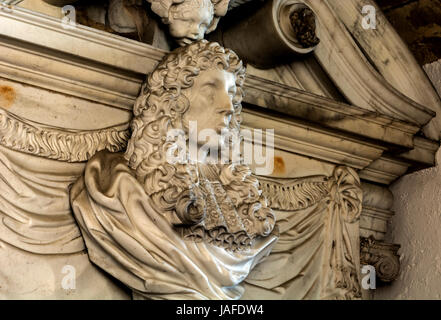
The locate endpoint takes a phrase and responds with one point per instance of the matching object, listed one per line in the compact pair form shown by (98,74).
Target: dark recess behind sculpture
(250,30)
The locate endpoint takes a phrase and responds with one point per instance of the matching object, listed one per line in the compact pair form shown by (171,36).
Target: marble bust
(186,230)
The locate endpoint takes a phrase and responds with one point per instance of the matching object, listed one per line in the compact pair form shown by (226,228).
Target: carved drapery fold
(316,256)
(130,239)
(59,144)
(34,203)
(344,207)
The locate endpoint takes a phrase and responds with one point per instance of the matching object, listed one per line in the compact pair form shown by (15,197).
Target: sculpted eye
(208,92)
(208,88)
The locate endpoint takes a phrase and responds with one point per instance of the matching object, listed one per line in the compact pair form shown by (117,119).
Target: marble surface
(75,89)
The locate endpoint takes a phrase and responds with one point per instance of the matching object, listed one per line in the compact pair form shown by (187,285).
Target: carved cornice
(298,137)
(383,256)
(59,144)
(109,69)
(327,112)
(385,170)
(423,153)
(78,61)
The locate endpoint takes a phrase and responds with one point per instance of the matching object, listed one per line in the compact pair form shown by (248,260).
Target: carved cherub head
(190,20)
(200,82)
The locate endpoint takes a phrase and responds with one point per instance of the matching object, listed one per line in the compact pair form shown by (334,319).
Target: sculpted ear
(213,25)
(220,10)
(220,7)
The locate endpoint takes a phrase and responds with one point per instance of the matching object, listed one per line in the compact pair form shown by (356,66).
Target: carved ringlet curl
(387,268)
(190,207)
(160,108)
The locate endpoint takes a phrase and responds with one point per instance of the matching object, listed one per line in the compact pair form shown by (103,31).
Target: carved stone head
(220,203)
(190,20)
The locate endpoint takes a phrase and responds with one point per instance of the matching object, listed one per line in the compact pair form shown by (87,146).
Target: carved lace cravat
(223,225)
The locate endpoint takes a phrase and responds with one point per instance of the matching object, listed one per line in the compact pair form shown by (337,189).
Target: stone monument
(94,180)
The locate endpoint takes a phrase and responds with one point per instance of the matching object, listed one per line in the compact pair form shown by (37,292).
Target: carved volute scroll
(302,26)
(287,29)
(382,256)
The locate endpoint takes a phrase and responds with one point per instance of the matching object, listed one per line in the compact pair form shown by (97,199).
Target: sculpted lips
(221,127)
(224,125)
(186,41)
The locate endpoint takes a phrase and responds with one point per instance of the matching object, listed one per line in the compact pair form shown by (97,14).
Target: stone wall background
(416,226)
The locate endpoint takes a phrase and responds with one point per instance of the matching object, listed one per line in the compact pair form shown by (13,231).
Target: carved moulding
(352,73)
(316,256)
(383,45)
(381,255)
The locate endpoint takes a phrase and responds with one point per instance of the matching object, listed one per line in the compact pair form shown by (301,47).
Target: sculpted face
(211,101)
(190,20)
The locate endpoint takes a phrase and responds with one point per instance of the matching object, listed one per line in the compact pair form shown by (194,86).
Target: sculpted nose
(226,106)
(195,32)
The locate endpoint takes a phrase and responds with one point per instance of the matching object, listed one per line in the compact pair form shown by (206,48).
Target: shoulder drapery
(136,244)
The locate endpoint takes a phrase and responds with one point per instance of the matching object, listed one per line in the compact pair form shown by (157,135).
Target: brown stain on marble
(279,165)
(7,96)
